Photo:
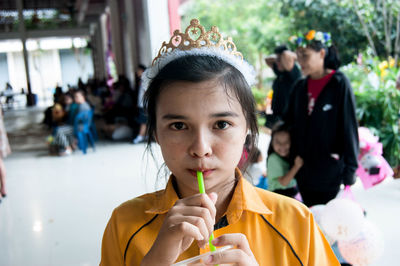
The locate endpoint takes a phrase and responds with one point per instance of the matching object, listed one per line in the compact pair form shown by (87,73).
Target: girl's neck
(320,74)
(224,198)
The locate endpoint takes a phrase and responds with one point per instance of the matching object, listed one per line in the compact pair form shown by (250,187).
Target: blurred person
(119,119)
(58,92)
(63,135)
(141,117)
(255,171)
(4,152)
(57,98)
(280,173)
(321,114)
(8,92)
(283,63)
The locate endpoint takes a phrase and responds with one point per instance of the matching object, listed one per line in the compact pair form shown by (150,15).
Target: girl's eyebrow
(224,114)
(173,117)
(215,115)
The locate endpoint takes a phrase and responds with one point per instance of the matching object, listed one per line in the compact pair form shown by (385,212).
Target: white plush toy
(342,219)
(365,248)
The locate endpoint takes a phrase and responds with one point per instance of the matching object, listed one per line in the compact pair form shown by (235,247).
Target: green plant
(259,95)
(378,102)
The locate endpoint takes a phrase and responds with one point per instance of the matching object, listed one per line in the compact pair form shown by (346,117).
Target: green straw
(202,190)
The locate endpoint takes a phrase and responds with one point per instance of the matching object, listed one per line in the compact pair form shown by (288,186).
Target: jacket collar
(245,198)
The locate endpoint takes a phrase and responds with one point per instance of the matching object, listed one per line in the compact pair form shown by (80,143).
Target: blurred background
(57,206)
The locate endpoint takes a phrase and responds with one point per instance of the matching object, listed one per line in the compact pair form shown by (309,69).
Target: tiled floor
(57,208)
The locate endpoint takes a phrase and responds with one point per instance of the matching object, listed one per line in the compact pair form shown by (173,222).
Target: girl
(280,175)
(200,108)
(321,113)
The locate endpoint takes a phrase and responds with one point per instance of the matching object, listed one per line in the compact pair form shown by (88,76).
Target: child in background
(255,171)
(280,175)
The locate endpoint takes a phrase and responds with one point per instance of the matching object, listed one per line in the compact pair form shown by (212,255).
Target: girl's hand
(288,59)
(242,255)
(298,162)
(190,219)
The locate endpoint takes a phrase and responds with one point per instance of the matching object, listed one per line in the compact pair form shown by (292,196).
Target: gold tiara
(196,36)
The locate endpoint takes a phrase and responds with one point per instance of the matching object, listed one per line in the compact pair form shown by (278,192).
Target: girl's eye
(222,125)
(178,126)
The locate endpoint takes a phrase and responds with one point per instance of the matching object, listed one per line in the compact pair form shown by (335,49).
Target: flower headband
(197,41)
(302,40)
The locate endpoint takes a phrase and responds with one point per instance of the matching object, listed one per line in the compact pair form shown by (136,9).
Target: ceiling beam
(35,34)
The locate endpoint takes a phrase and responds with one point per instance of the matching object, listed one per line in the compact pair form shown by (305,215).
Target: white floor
(57,208)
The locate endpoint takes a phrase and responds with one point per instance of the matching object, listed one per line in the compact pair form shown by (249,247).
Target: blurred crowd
(115,112)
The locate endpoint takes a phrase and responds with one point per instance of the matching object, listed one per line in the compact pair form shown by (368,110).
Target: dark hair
(142,67)
(80,91)
(279,126)
(254,158)
(199,68)
(280,49)
(331,60)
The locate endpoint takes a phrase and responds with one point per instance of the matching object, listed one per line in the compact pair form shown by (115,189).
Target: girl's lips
(205,172)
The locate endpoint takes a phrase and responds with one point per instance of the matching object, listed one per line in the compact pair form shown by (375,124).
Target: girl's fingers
(241,256)
(186,229)
(236,256)
(195,221)
(200,200)
(201,212)
(238,240)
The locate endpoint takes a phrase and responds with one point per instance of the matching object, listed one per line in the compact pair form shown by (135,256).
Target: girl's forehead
(201,90)
(303,50)
(202,96)
(281,135)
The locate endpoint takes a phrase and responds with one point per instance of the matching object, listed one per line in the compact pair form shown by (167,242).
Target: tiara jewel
(196,36)
(196,41)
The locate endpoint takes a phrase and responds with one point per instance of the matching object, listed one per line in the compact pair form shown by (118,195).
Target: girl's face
(200,128)
(311,61)
(67,100)
(281,143)
(79,98)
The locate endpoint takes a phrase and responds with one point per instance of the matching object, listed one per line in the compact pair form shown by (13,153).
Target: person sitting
(63,134)
(118,119)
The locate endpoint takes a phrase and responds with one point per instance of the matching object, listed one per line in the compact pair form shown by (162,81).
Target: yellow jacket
(280,230)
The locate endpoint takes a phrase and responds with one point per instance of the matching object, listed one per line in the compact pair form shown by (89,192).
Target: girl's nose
(201,145)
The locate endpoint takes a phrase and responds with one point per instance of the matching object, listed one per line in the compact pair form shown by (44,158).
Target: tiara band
(199,42)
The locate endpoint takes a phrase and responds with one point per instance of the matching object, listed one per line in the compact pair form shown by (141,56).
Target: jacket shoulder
(341,78)
(280,205)
(131,215)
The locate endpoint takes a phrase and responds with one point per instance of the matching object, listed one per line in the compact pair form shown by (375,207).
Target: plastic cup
(198,260)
